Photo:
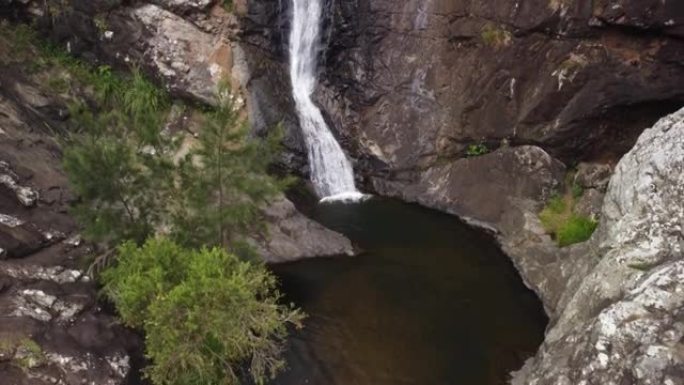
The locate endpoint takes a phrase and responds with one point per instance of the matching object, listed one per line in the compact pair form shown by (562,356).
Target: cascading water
(331,172)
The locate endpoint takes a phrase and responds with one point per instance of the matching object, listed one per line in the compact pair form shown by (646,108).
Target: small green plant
(24,353)
(476,150)
(59,84)
(206,314)
(560,221)
(494,36)
(575,230)
(642,266)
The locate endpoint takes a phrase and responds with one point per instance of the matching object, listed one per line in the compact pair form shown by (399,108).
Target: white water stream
(331,172)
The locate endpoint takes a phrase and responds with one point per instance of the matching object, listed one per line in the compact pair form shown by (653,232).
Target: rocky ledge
(620,318)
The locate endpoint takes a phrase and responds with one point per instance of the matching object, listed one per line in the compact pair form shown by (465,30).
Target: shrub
(567,227)
(476,150)
(575,230)
(113,159)
(209,318)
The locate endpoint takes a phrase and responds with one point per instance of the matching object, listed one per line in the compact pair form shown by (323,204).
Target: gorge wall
(407,87)
(546,86)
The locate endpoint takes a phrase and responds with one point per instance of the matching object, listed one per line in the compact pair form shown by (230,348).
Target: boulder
(621,321)
(291,236)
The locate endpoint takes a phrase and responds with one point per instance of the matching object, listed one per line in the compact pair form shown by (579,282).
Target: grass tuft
(575,230)
(566,227)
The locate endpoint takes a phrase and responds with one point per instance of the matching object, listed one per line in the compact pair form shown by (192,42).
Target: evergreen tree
(223,181)
(117,160)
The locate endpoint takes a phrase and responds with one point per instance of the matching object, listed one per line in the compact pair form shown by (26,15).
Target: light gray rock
(590,203)
(593,175)
(27,196)
(189,60)
(622,321)
(481,188)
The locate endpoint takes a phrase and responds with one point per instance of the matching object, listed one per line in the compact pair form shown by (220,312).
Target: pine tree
(224,181)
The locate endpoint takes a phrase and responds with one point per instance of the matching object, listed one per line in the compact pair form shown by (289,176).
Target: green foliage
(21,352)
(100,21)
(223,181)
(557,204)
(642,266)
(209,318)
(112,162)
(476,150)
(228,5)
(495,36)
(575,230)
(567,227)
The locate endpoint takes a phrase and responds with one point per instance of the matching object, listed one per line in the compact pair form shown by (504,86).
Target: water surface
(430,302)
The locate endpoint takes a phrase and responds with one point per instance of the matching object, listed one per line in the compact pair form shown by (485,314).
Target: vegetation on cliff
(172,212)
(562,222)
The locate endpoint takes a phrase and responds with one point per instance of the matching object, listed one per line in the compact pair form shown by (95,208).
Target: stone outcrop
(621,321)
(291,236)
(191,55)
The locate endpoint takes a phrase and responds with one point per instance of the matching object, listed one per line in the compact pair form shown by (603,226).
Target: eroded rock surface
(291,236)
(623,322)
(52,330)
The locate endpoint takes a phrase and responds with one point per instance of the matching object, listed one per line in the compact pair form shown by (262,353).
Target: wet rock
(292,236)
(621,320)
(413,83)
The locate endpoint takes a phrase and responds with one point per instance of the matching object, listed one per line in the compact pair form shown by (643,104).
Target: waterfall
(331,172)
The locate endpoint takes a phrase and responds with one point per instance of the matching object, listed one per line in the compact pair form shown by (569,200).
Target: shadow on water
(431,302)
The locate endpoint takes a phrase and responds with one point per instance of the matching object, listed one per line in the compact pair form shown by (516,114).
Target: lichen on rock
(623,322)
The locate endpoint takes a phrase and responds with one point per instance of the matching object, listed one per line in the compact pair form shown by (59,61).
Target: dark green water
(432,301)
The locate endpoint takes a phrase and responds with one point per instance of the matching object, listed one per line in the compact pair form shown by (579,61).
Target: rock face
(190,55)
(408,85)
(424,79)
(623,322)
(292,236)
(52,329)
